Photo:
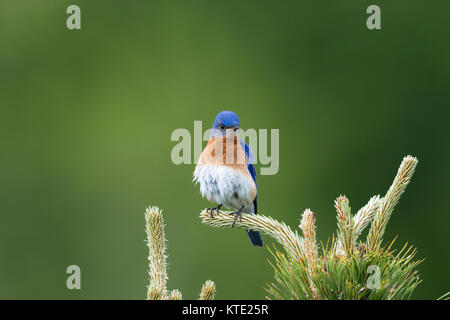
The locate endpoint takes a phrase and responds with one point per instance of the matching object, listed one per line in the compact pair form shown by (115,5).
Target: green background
(86,118)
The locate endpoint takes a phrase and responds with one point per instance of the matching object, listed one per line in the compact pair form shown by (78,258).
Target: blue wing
(251,169)
(255,236)
(250,158)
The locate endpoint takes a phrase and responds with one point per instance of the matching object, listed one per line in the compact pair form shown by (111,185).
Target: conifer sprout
(365,215)
(389,201)
(154,293)
(175,295)
(208,291)
(345,225)
(308,226)
(156,242)
(157,252)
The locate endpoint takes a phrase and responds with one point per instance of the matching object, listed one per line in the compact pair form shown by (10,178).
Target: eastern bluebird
(226,172)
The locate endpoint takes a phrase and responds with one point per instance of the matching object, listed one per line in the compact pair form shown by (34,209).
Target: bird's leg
(238,213)
(211,210)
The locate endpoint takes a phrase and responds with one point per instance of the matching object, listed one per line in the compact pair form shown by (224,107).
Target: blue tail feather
(255,238)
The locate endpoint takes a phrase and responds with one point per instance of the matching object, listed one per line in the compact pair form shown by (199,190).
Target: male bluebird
(226,173)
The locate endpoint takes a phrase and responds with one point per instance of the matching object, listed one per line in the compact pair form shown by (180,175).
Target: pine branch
(208,291)
(154,292)
(389,202)
(308,226)
(157,253)
(344,269)
(365,215)
(291,241)
(346,239)
(175,295)
(156,242)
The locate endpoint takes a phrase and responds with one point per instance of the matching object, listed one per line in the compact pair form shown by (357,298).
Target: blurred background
(86,118)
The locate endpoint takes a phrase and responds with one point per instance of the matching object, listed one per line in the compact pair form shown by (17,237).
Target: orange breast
(225,151)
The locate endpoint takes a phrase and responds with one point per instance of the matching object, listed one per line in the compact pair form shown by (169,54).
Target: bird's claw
(211,210)
(238,213)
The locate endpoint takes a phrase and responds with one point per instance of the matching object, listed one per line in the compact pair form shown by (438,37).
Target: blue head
(225,121)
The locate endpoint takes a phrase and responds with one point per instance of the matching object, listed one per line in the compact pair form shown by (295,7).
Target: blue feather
(255,236)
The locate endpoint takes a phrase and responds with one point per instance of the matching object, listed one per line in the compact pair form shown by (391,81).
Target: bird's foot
(238,214)
(211,210)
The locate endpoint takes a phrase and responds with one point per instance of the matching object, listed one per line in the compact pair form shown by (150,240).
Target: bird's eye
(222,126)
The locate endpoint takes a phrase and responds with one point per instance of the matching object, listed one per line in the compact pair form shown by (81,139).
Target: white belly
(225,185)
